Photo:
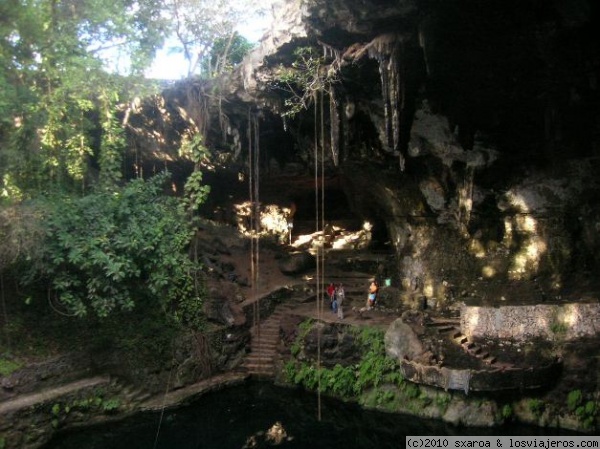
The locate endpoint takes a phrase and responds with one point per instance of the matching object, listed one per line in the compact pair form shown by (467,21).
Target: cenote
(241,416)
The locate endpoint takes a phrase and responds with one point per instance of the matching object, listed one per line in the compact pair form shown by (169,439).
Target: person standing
(340,295)
(372,298)
(331,294)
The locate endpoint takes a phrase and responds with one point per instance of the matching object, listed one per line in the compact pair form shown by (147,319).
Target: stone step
(264,347)
(262,355)
(262,352)
(270,325)
(264,344)
(261,358)
(258,365)
(273,333)
(257,339)
(258,372)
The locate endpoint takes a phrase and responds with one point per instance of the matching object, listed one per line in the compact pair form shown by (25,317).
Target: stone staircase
(264,339)
(451,329)
(473,349)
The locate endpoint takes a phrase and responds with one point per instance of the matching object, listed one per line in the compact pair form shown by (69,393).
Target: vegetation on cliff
(93,257)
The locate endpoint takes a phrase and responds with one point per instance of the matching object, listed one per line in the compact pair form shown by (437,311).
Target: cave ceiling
(462,114)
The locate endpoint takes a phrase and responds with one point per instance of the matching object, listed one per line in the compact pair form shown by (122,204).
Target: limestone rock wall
(566,322)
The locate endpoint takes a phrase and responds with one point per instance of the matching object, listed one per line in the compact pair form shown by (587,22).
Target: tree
(54,84)
(225,53)
(200,24)
(99,247)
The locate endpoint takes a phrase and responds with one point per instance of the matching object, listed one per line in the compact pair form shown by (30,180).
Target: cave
(476,126)
(455,146)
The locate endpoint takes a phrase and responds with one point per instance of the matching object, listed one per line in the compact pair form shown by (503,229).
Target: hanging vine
(311,73)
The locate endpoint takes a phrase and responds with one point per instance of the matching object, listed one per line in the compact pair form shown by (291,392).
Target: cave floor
(438,327)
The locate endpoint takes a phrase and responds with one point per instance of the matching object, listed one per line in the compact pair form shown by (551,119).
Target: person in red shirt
(331,294)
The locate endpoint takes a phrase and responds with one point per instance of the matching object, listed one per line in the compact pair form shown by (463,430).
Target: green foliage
(307,376)
(296,348)
(339,380)
(204,30)
(289,371)
(411,391)
(95,402)
(225,54)
(385,398)
(395,378)
(2,442)
(506,412)
(56,409)
(585,412)
(574,400)
(374,369)
(307,75)
(303,329)
(374,365)
(111,405)
(195,192)
(559,328)
(8,366)
(58,104)
(442,400)
(110,249)
(537,407)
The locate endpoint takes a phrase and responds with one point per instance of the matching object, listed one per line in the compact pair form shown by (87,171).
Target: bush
(374,368)
(8,366)
(536,407)
(574,400)
(115,248)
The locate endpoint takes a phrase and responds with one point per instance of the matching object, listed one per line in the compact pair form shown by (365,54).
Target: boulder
(402,343)
(220,309)
(297,263)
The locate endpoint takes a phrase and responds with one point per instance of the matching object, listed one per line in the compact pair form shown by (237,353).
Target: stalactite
(465,198)
(386,49)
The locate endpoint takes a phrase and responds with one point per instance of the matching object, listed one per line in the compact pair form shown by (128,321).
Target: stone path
(178,397)
(50,394)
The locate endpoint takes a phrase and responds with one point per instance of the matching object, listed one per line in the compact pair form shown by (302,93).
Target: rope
(251,212)
(253,187)
(162,410)
(4,312)
(256,232)
(318,273)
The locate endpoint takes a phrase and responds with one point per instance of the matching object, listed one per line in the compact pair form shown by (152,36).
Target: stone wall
(565,322)
(494,379)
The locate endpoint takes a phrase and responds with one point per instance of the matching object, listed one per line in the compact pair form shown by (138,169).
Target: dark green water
(232,418)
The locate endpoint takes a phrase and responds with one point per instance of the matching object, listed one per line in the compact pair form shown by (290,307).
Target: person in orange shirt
(372,298)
